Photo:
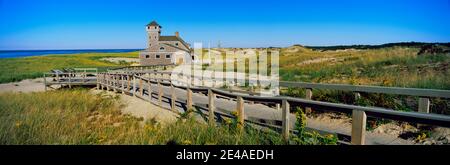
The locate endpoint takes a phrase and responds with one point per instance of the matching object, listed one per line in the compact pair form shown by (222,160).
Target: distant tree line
(401,44)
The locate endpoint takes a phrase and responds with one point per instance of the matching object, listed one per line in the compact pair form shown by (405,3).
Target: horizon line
(338,45)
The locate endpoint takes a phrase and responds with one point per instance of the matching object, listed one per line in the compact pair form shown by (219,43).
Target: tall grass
(395,66)
(16,69)
(79,117)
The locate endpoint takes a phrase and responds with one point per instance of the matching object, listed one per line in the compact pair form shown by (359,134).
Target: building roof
(173,38)
(169,38)
(153,23)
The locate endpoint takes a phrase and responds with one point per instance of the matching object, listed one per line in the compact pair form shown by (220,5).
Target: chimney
(177,34)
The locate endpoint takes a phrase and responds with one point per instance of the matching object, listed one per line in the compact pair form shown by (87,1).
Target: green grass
(394,66)
(16,69)
(80,117)
(391,66)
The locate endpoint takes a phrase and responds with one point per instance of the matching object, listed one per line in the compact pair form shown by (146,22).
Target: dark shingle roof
(153,23)
(173,38)
(168,38)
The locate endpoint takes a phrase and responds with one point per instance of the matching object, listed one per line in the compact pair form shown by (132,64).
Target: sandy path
(140,108)
(28,85)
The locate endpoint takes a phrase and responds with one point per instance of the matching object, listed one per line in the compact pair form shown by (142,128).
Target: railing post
(211,98)
(114,80)
(278,106)
(159,93)
(358,127)
(358,124)
(141,88)
(70,81)
(107,82)
(424,107)
(308,96)
(101,81)
(150,89)
(118,81)
(128,82)
(84,76)
(123,84)
(240,111)
(134,86)
(285,119)
(189,98)
(97,79)
(172,97)
(357,96)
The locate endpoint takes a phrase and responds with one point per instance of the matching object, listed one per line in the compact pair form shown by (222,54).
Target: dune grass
(391,66)
(80,117)
(395,66)
(16,69)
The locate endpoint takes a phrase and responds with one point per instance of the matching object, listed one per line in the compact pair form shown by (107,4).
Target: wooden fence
(134,82)
(80,76)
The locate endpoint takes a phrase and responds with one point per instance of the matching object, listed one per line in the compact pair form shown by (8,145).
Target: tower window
(161,48)
(158,56)
(167,55)
(147,56)
(176,43)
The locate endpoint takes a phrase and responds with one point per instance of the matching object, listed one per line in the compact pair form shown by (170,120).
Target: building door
(180,61)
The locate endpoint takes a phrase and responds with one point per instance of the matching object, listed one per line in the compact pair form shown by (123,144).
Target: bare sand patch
(26,86)
(140,108)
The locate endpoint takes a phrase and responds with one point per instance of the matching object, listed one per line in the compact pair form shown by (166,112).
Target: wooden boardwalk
(79,77)
(264,111)
(270,112)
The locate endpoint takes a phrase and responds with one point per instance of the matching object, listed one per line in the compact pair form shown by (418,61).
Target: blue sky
(89,24)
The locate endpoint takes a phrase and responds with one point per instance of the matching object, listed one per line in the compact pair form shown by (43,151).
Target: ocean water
(25,53)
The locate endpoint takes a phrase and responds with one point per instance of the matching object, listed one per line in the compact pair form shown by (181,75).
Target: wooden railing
(127,83)
(80,76)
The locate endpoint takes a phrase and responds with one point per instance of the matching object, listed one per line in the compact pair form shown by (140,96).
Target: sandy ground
(28,85)
(342,124)
(140,108)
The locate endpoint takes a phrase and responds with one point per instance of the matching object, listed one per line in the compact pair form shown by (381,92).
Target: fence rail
(80,76)
(128,82)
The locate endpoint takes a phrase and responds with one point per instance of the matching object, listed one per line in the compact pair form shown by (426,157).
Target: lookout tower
(153,31)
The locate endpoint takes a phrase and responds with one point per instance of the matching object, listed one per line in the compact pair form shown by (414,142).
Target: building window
(167,55)
(157,56)
(161,48)
(176,44)
(147,56)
